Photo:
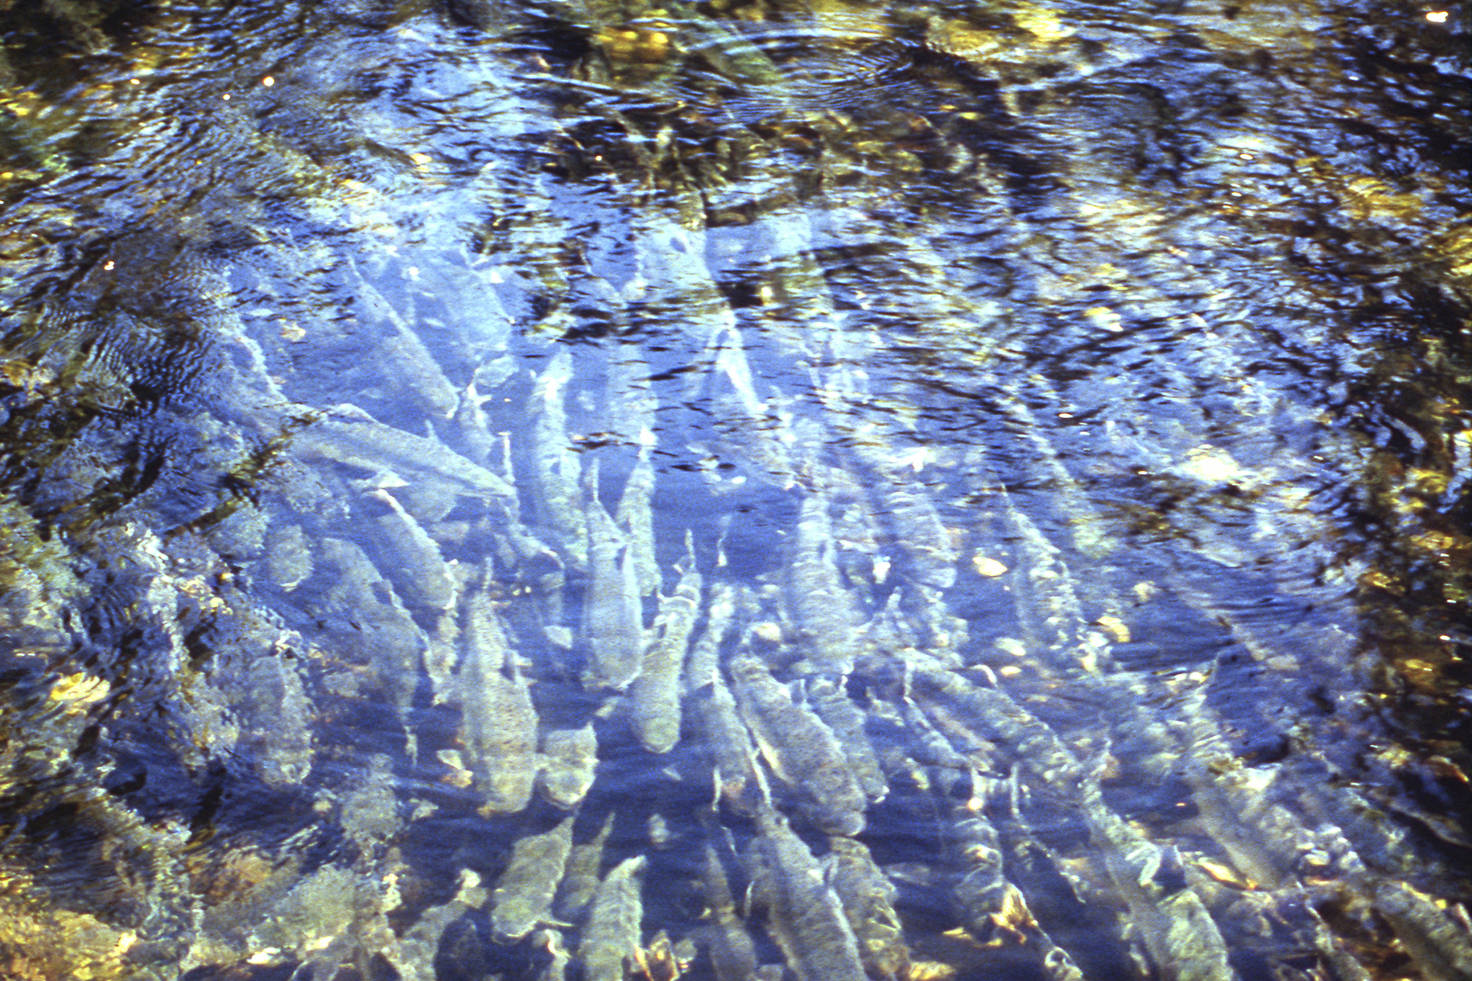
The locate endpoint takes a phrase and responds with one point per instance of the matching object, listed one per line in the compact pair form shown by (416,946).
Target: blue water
(409,411)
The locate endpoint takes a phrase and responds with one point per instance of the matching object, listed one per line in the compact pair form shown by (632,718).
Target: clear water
(927,492)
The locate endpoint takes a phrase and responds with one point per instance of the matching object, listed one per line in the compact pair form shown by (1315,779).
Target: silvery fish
(613,617)
(868,903)
(569,758)
(413,559)
(522,898)
(615,915)
(555,464)
(804,915)
(580,878)
(728,941)
(348,435)
(654,696)
(832,704)
(498,720)
(829,618)
(703,663)
(635,513)
(728,743)
(799,748)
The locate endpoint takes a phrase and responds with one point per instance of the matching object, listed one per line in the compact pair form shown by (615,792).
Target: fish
(728,744)
(804,915)
(1171,919)
(413,954)
(580,874)
(994,910)
(288,561)
(615,914)
(799,748)
(631,399)
(1169,916)
(831,703)
(703,663)
(828,616)
(423,380)
(728,941)
(635,514)
(413,560)
(346,434)
(867,897)
(471,427)
(373,610)
(654,696)
(284,748)
(416,372)
(498,719)
(613,617)
(555,465)
(522,898)
(930,556)
(555,968)
(569,759)
(981,893)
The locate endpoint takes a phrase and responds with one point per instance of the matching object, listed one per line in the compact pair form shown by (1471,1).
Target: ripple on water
(881,491)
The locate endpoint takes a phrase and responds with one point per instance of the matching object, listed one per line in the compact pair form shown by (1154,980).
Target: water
(929,492)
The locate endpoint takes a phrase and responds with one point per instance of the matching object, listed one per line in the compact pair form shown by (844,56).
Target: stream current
(601,489)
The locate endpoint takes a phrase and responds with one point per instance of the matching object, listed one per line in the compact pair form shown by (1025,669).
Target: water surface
(940,491)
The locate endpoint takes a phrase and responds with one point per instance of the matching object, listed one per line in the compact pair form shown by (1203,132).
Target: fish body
(804,915)
(728,742)
(799,748)
(413,560)
(832,705)
(498,719)
(569,758)
(635,512)
(555,467)
(828,616)
(729,943)
(348,435)
(654,696)
(416,372)
(867,897)
(612,610)
(703,662)
(614,918)
(373,610)
(580,875)
(522,898)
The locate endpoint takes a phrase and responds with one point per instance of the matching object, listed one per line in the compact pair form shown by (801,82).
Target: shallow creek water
(735,489)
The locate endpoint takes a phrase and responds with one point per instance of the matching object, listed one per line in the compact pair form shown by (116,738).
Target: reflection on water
(734,489)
